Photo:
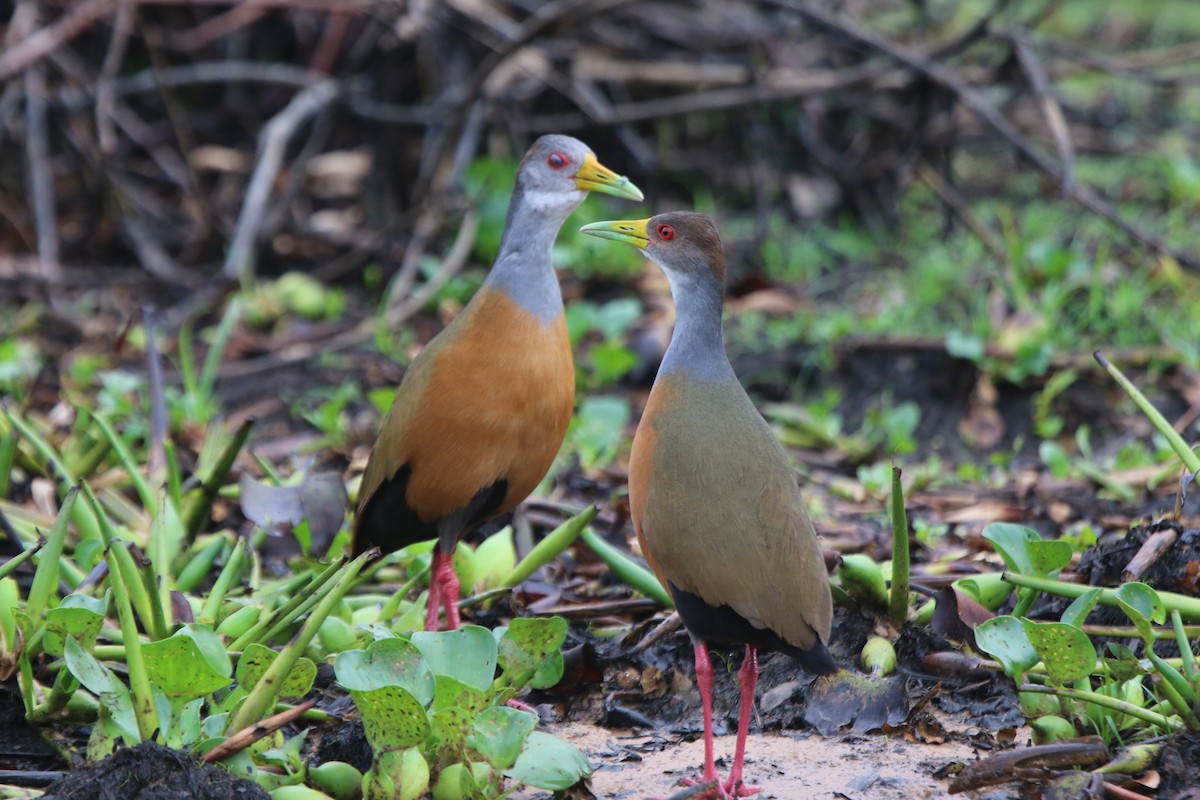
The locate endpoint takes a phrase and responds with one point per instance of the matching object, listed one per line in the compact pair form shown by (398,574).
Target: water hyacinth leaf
(1121,662)
(1004,639)
(180,671)
(386,662)
(257,659)
(988,589)
(467,653)
(450,692)
(455,707)
(1024,551)
(549,763)
(528,644)
(79,617)
(1143,607)
(1076,613)
(209,646)
(499,735)
(392,718)
(101,681)
(1066,651)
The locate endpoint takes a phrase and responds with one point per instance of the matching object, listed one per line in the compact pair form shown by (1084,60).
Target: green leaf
(79,617)
(530,651)
(1081,606)
(209,646)
(499,735)
(468,654)
(387,662)
(1122,663)
(1065,650)
(180,670)
(495,557)
(1143,606)
(455,707)
(257,659)
(1024,551)
(113,693)
(1004,639)
(549,763)
(392,718)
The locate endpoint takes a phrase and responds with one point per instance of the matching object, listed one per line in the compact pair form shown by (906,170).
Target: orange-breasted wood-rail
(714,501)
(483,408)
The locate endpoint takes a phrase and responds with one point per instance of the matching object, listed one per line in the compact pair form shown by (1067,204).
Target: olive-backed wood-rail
(483,408)
(714,501)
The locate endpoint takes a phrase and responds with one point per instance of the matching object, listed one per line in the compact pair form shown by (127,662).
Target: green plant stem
(1189,607)
(1181,448)
(131,575)
(1159,720)
(628,570)
(289,610)
(45,577)
(8,454)
(85,524)
(264,694)
(483,597)
(229,573)
(554,543)
(132,468)
(7,567)
(391,608)
(199,565)
(1182,635)
(1128,631)
(139,678)
(201,505)
(898,600)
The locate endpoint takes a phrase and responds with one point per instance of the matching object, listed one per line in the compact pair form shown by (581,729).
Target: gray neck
(697,349)
(524,269)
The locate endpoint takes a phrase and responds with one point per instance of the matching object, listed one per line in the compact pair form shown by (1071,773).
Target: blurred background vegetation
(934,211)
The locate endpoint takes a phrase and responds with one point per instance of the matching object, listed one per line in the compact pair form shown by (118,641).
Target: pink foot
(741,789)
(715,793)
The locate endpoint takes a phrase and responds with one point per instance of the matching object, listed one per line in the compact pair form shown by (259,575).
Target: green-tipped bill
(595,177)
(630,231)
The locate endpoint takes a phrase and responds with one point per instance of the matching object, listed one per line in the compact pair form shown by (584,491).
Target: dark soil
(22,747)
(152,772)
(1178,764)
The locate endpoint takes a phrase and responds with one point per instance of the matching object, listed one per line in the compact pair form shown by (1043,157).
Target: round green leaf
(209,645)
(1065,650)
(1142,605)
(500,733)
(257,659)
(79,617)
(386,662)
(527,644)
(113,694)
(1081,606)
(549,763)
(176,666)
(1004,639)
(1024,551)
(468,654)
(392,718)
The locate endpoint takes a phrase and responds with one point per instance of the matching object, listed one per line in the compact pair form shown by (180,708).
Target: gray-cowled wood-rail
(483,408)
(715,503)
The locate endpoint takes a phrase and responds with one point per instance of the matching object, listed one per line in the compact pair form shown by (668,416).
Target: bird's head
(684,243)
(558,171)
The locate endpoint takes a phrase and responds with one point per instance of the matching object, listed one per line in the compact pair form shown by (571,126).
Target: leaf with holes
(77,616)
(1066,651)
(178,667)
(392,718)
(387,662)
(1024,551)
(1004,638)
(499,735)
(257,659)
(531,651)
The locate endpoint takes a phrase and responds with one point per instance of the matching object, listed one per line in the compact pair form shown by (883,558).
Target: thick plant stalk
(898,599)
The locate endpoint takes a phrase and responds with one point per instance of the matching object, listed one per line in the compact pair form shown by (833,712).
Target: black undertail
(389,522)
(722,625)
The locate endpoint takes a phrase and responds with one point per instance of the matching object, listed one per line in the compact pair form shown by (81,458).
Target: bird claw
(715,793)
(740,790)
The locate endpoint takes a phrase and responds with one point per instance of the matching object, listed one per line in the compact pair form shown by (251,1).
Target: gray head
(558,171)
(684,243)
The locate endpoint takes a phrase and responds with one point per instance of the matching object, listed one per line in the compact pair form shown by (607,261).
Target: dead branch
(240,261)
(40,43)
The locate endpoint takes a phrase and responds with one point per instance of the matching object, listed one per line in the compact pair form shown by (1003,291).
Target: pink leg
(747,678)
(433,601)
(704,680)
(448,579)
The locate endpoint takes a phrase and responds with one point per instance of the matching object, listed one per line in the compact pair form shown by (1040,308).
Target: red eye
(665,232)
(556,160)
